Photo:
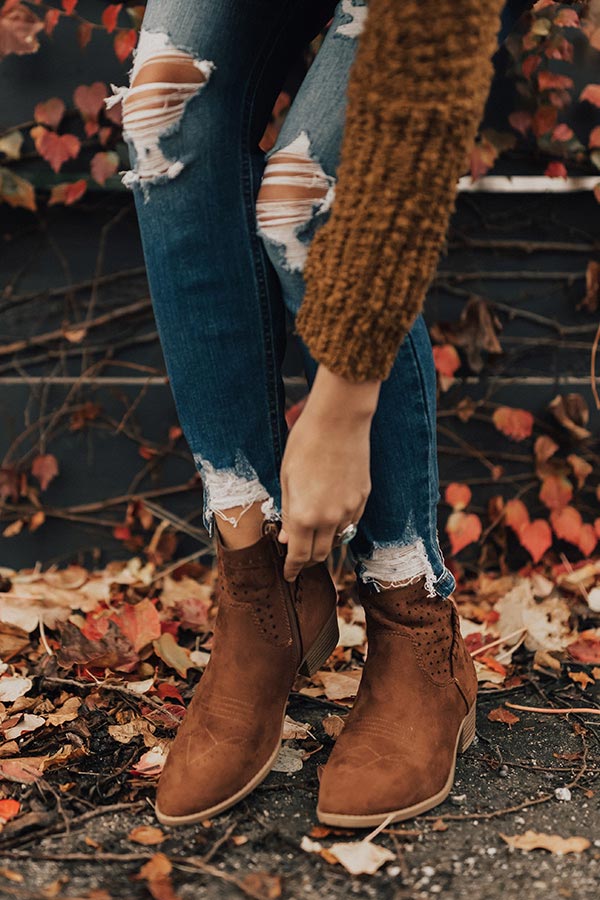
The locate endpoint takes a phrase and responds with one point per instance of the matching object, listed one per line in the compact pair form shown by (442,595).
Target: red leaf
(594,138)
(556,491)
(551,80)
(567,523)
(514,423)
(103,165)
(568,18)
(110,16)
(458,495)
(68,5)
(463,529)
(44,468)
(50,112)
(530,64)
(67,192)
(18,29)
(586,649)
(520,121)
(591,93)
(51,20)
(556,170)
(124,42)
(536,538)
(562,133)
(483,157)
(447,361)
(544,120)
(89,100)
(84,34)
(54,148)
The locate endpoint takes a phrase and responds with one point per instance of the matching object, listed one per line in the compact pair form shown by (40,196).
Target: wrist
(334,398)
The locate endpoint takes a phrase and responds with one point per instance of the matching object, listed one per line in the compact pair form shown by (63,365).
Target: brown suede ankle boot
(414,712)
(267,629)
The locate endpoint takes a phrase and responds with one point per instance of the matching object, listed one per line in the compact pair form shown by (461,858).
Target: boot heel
(468,730)
(322,648)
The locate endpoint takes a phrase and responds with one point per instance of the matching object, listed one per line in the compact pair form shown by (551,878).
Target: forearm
(416,95)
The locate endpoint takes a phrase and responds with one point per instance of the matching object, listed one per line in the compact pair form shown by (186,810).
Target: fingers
(299,552)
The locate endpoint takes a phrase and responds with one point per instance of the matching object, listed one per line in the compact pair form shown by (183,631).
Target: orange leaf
(68,5)
(50,112)
(587,539)
(110,16)
(514,423)
(84,34)
(54,148)
(9,809)
(520,121)
(463,529)
(139,622)
(591,93)
(586,649)
(597,527)
(551,80)
(544,448)
(556,491)
(516,515)
(581,468)
(51,20)
(44,468)
(594,138)
(446,359)
(544,120)
(124,42)
(503,715)
(458,495)
(567,523)
(67,192)
(536,537)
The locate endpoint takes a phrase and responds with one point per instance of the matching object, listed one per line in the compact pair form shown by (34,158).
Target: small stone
(393,871)
(457,799)
(562,793)
(428,871)
(503,771)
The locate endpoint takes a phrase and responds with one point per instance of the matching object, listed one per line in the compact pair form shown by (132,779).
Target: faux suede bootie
(267,629)
(415,710)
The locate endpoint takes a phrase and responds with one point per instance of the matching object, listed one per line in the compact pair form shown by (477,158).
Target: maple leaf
(556,491)
(18,29)
(50,112)
(110,16)
(16,191)
(458,495)
(124,42)
(67,192)
(463,529)
(44,468)
(54,148)
(514,423)
(536,538)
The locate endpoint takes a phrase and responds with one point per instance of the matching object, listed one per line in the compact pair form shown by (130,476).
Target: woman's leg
(204,80)
(397,542)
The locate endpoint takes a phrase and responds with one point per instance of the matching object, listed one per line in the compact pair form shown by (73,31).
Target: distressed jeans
(225,231)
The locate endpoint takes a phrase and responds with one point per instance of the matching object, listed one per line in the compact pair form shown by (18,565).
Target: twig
(501,640)
(551,711)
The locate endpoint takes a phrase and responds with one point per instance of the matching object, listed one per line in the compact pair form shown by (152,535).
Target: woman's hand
(325,476)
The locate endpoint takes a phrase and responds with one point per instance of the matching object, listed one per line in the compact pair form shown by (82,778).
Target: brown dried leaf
(503,715)
(147,835)
(533,840)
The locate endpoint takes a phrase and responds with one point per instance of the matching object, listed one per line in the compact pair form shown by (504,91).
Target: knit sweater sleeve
(416,94)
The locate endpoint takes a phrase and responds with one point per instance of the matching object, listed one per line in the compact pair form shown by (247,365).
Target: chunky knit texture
(416,94)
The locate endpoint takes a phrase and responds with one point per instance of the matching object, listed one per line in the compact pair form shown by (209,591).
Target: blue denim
(221,285)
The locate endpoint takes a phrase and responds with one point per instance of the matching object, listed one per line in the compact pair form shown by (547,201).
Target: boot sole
(318,654)
(464,740)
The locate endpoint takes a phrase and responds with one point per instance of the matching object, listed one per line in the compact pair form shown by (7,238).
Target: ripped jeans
(225,231)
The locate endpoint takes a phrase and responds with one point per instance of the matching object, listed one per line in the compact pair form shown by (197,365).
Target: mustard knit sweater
(416,94)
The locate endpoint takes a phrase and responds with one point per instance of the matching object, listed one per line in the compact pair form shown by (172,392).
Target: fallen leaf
(293,730)
(147,835)
(581,678)
(586,649)
(333,725)
(262,884)
(28,723)
(151,763)
(288,760)
(172,653)
(9,808)
(340,685)
(67,712)
(533,840)
(503,715)
(361,857)
(546,621)
(14,686)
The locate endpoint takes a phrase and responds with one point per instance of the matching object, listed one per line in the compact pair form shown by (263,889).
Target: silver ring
(347,533)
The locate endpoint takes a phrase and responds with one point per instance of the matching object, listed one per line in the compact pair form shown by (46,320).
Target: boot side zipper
(279,550)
